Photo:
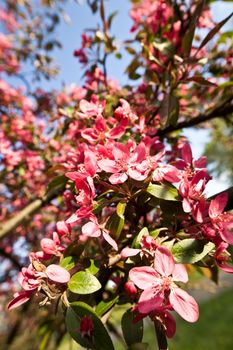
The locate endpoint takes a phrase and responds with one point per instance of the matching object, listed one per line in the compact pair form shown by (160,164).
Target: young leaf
(166,192)
(58,182)
(69,262)
(214,31)
(99,339)
(200,80)
(105,305)
(169,110)
(93,267)
(137,239)
(133,332)
(83,282)
(189,251)
(189,34)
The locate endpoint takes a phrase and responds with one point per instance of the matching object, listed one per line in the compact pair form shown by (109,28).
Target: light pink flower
(159,288)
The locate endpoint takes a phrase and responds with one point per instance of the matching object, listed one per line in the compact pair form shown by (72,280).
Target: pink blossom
(126,164)
(159,288)
(57,274)
(93,229)
(52,246)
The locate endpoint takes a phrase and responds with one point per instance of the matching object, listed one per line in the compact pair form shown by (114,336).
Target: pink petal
(170,324)
(91,229)
(90,162)
(217,205)
(164,262)
(184,304)
(72,219)
(171,173)
(186,205)
(116,132)
(48,246)
(225,267)
(144,277)
(110,240)
(227,233)
(108,165)
(136,175)
(200,162)
(126,252)
(19,299)
(150,300)
(186,153)
(180,273)
(118,178)
(57,274)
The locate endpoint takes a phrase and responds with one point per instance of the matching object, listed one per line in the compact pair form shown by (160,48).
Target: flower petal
(57,274)
(164,261)
(184,304)
(91,229)
(180,273)
(19,299)
(144,276)
(217,205)
(110,240)
(150,300)
(118,178)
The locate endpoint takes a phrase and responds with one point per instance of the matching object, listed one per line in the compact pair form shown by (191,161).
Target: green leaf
(133,332)
(120,209)
(58,182)
(137,239)
(214,31)
(189,34)
(130,50)
(165,47)
(100,338)
(169,110)
(157,231)
(189,251)
(110,18)
(117,220)
(200,80)
(105,305)
(93,267)
(69,262)
(118,55)
(83,282)
(166,192)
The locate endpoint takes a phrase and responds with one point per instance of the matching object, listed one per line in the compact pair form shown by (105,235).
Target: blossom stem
(161,335)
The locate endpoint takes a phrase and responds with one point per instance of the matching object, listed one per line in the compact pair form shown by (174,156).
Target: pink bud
(57,274)
(130,289)
(48,246)
(86,326)
(63,228)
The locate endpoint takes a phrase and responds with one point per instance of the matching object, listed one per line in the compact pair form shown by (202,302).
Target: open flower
(159,288)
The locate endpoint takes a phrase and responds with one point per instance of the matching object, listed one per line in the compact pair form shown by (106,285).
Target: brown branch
(9,226)
(222,110)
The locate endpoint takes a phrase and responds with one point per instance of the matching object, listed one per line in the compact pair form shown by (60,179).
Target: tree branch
(222,110)
(25,213)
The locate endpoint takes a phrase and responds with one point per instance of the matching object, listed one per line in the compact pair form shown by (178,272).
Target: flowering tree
(102,203)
